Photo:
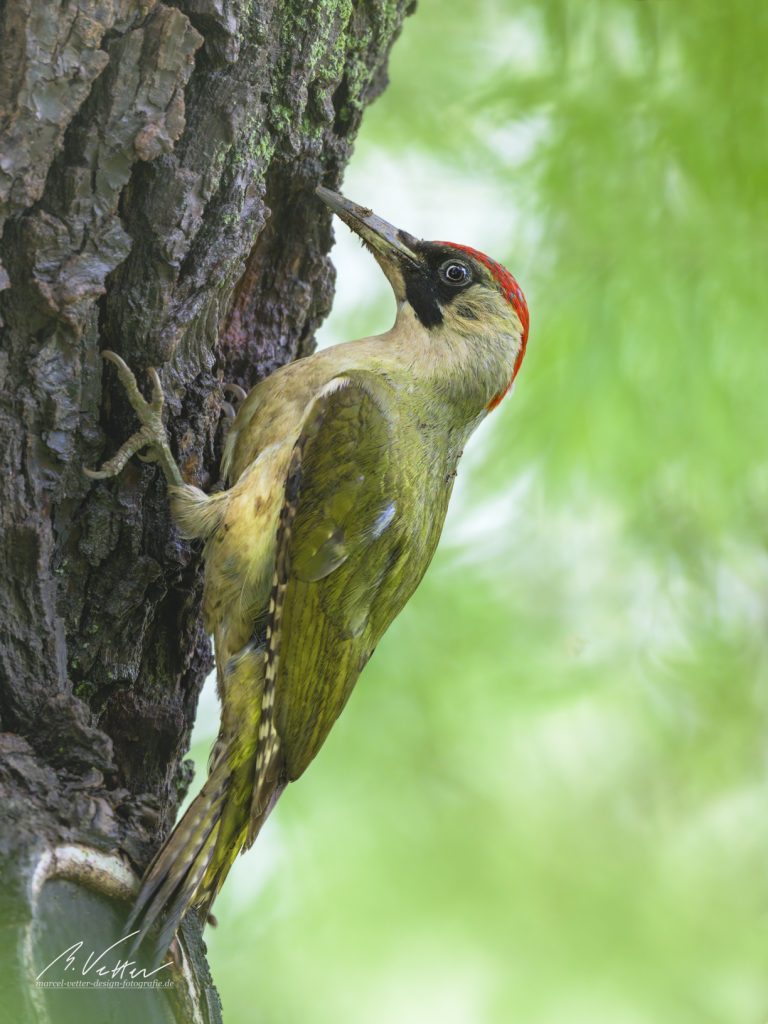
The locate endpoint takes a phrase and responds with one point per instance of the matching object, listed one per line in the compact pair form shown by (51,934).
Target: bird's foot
(238,397)
(229,410)
(152,433)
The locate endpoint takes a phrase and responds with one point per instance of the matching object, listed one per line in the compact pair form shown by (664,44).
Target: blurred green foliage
(547,802)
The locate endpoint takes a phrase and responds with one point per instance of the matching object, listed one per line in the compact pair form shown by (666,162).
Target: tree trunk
(157,169)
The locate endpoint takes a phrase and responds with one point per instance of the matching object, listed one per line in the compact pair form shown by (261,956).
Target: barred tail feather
(171,881)
(176,908)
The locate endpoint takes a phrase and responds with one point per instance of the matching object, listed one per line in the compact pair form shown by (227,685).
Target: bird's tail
(171,883)
(191,866)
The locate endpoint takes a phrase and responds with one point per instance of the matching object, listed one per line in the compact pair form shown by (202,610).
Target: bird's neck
(467,369)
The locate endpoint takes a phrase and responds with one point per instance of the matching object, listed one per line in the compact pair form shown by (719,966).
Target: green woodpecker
(341,466)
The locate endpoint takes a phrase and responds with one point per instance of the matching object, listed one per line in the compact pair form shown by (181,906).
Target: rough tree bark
(157,167)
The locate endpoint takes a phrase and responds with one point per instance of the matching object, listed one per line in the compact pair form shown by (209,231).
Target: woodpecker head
(452,290)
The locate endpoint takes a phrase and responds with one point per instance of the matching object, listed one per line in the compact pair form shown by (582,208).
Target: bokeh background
(547,801)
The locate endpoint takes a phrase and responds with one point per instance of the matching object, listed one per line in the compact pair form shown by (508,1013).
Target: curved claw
(238,393)
(125,374)
(158,398)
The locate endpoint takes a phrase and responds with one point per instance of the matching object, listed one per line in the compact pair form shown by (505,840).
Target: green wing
(339,570)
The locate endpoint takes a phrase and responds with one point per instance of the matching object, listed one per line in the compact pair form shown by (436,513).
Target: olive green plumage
(341,468)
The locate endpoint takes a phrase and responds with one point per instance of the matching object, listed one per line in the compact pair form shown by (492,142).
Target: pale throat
(470,366)
(478,365)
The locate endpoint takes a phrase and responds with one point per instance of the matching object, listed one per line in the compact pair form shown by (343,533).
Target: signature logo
(100,969)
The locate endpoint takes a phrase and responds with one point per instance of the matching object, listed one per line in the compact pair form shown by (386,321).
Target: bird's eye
(454,273)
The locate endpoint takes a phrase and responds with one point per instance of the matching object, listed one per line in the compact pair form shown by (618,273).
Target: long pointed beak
(386,241)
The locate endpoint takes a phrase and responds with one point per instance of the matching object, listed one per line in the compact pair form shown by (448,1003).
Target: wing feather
(340,537)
